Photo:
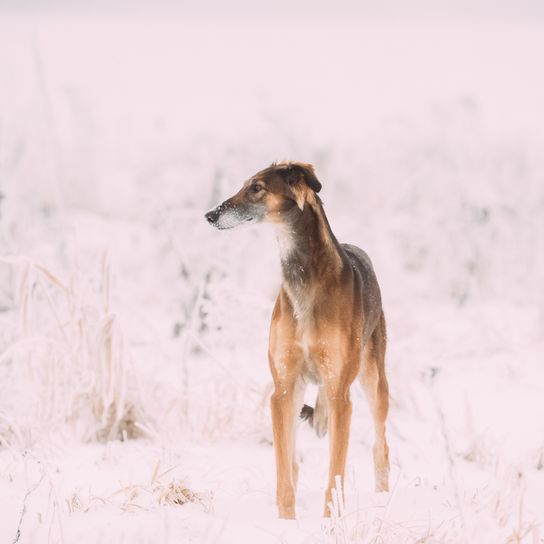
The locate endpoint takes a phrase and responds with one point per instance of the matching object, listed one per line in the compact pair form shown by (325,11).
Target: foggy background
(133,337)
(390,8)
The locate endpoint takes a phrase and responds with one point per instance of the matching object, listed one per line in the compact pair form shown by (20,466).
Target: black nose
(212,216)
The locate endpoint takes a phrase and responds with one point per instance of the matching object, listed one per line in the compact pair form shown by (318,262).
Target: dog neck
(310,254)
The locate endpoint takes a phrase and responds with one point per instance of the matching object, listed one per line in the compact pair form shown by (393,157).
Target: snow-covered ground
(133,375)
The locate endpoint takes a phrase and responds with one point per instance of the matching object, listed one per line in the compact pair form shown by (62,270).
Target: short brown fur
(327,326)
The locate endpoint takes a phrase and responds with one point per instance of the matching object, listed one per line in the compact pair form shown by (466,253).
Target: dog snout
(212,216)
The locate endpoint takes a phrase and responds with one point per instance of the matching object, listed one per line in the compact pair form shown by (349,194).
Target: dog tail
(317,417)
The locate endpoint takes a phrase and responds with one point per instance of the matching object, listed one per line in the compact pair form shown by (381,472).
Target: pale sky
(299,8)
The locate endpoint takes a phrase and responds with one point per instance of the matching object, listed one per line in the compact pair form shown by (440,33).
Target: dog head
(270,195)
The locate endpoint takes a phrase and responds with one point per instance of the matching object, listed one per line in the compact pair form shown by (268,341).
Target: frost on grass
(66,361)
(160,490)
(124,315)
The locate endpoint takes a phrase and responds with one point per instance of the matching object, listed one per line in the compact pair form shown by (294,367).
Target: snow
(134,380)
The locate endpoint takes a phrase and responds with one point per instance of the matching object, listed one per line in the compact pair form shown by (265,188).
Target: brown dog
(327,328)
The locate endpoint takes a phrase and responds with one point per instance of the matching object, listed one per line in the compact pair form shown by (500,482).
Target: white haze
(133,360)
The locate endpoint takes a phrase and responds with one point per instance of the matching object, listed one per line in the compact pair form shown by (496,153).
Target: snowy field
(134,381)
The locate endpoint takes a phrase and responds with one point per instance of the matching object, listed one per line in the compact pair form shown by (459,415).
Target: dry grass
(159,491)
(376,525)
(67,358)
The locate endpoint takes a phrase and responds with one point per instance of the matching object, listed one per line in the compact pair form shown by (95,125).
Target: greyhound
(327,327)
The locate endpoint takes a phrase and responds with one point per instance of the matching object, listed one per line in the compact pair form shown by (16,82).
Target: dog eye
(256,188)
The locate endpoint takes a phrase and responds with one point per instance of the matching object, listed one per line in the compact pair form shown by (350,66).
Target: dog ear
(297,171)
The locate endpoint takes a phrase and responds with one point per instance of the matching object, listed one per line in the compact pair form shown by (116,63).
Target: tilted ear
(300,171)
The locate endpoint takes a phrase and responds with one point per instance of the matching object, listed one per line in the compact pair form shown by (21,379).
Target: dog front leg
(283,425)
(339,425)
